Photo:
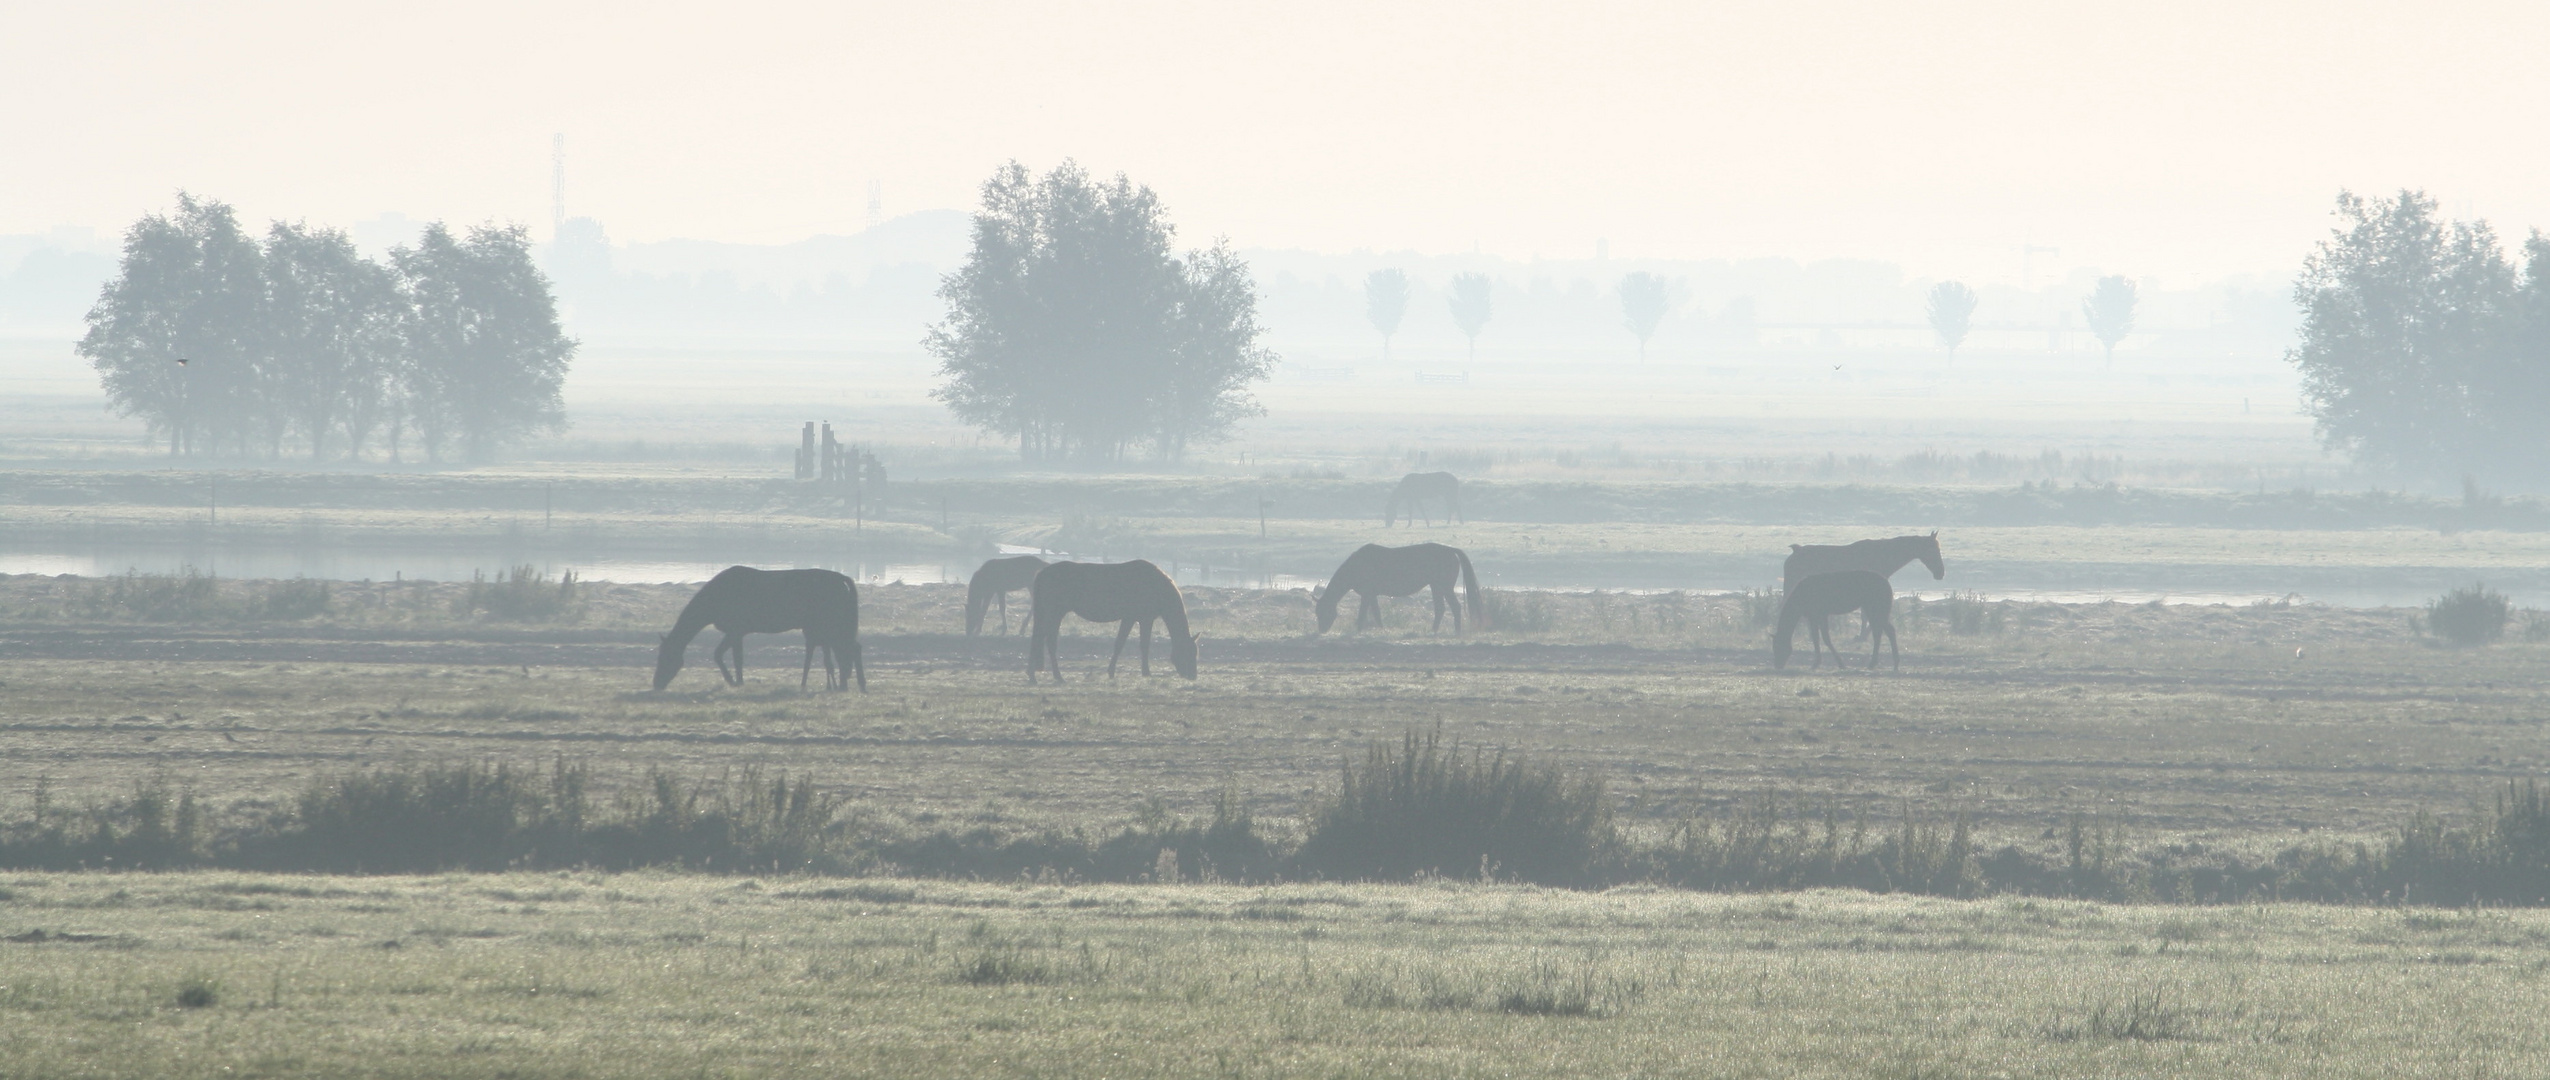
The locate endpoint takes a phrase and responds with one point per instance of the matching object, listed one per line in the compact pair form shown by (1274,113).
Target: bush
(2471,615)
(299,598)
(523,594)
(1428,810)
(182,597)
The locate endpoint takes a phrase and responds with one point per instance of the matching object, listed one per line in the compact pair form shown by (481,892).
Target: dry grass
(644,975)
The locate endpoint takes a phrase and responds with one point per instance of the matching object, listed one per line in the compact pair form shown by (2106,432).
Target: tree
(330,334)
(174,336)
(484,357)
(2412,344)
(1644,300)
(2109,312)
(1386,303)
(1073,325)
(1952,307)
(1470,307)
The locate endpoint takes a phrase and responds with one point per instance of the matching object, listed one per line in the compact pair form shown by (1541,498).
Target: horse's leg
(1369,609)
(1146,648)
(1122,631)
(858,663)
(1004,602)
(1437,591)
(806,670)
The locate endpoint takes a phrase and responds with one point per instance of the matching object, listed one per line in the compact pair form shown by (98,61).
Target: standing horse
(1124,593)
(1822,596)
(1415,489)
(993,582)
(1880,557)
(1375,571)
(741,600)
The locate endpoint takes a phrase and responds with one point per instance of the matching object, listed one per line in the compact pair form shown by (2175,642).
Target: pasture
(2174,729)
(585,975)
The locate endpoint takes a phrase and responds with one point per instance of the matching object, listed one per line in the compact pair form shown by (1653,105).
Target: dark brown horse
(1822,596)
(1374,571)
(993,582)
(1413,492)
(1125,593)
(741,600)
(1880,557)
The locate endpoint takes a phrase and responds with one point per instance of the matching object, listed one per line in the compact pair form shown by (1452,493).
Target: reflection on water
(2402,587)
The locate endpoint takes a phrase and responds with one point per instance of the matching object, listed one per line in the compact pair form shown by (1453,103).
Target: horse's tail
(978,600)
(1470,582)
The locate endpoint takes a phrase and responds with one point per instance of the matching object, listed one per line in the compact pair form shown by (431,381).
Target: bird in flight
(181,361)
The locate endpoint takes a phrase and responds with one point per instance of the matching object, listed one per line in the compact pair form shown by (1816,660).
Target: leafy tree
(484,357)
(1386,303)
(1470,306)
(330,334)
(174,337)
(1074,326)
(1952,307)
(2109,312)
(2411,329)
(1644,299)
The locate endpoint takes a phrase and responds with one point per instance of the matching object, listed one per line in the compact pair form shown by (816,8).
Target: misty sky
(2178,140)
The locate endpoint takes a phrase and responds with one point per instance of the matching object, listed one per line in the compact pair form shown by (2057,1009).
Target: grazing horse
(1822,596)
(741,600)
(1124,593)
(1415,489)
(1880,557)
(993,582)
(1376,571)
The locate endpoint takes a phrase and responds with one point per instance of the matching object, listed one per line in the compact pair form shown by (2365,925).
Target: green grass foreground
(592,975)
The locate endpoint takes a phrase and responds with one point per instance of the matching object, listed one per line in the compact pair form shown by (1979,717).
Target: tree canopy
(1470,306)
(1386,303)
(1644,300)
(1076,327)
(2109,312)
(1952,307)
(226,346)
(2423,346)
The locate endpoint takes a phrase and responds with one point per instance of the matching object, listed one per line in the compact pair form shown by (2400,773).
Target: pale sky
(2175,140)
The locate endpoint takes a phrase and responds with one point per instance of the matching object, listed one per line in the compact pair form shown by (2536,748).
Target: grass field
(585,975)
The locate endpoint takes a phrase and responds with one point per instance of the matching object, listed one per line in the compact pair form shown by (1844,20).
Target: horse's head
(1325,599)
(668,661)
(1182,654)
(1928,552)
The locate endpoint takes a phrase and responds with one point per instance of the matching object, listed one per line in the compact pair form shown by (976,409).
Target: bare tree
(2109,312)
(1644,300)
(1952,313)
(1386,303)
(1470,306)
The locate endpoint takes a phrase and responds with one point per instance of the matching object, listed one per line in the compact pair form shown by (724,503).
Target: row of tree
(1645,300)
(2424,346)
(228,345)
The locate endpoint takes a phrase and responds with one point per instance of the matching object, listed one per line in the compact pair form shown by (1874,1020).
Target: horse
(993,582)
(1413,491)
(1125,593)
(1822,596)
(1376,571)
(1876,556)
(742,600)
(1881,557)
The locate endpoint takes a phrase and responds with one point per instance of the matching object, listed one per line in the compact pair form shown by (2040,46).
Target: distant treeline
(1413,811)
(229,346)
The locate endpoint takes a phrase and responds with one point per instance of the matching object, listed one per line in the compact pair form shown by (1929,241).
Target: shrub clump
(1430,810)
(2471,615)
(522,594)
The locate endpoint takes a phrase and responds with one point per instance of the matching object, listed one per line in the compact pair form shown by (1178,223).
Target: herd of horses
(1817,582)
